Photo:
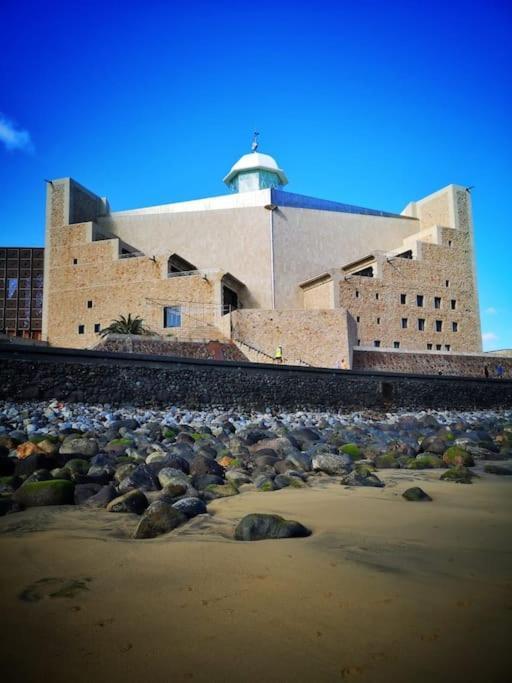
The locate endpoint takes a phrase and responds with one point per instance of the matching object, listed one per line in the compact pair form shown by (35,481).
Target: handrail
(264,353)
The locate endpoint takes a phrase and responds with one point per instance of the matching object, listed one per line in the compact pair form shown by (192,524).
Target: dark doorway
(229,300)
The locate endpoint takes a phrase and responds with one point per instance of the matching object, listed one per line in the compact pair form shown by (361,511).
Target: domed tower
(255,171)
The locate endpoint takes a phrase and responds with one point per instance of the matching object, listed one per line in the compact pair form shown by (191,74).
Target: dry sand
(384,590)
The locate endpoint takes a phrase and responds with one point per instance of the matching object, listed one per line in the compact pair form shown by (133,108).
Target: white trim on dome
(255,161)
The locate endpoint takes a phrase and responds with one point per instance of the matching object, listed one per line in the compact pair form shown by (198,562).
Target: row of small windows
(396,345)
(438,325)
(81,328)
(420,301)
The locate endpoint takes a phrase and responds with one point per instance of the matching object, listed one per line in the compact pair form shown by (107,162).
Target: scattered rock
(362,478)
(53,492)
(133,501)
(458,474)
(191,507)
(416,494)
(159,518)
(455,455)
(258,527)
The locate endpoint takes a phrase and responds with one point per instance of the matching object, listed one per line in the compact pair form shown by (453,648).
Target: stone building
(264,267)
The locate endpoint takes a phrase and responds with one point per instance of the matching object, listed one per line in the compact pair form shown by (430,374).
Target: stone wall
(211,350)
(322,338)
(430,363)
(135,380)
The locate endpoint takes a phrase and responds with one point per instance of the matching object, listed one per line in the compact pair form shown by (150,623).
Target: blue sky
(370,103)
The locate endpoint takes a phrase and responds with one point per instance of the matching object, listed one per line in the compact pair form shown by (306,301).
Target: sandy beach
(384,589)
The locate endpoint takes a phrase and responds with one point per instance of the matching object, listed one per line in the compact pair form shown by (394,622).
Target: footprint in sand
(52,587)
(350,672)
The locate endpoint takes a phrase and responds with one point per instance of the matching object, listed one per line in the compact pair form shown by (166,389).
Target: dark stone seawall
(117,378)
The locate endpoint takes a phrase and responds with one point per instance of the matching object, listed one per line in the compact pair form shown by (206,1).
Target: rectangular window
(75,261)
(357,294)
(429,347)
(396,345)
(378,321)
(419,300)
(453,304)
(438,347)
(376,342)
(172,316)
(439,325)
(447,283)
(421,324)
(376,295)
(404,323)
(403,298)
(449,243)
(447,347)
(96,327)
(359,342)
(455,327)
(358,319)
(81,329)
(12,287)
(89,304)
(437,302)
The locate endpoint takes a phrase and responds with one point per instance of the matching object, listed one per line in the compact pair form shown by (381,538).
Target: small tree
(125,325)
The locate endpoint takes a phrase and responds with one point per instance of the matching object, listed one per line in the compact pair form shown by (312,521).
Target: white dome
(255,161)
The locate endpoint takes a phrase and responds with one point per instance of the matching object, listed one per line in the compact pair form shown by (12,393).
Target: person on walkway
(500,370)
(486,371)
(278,356)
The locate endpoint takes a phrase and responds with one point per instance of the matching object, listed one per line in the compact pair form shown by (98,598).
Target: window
(438,347)
(376,342)
(358,319)
(172,316)
(75,261)
(449,243)
(437,302)
(429,347)
(403,298)
(81,329)
(96,327)
(439,325)
(396,345)
(421,324)
(359,342)
(404,323)
(357,294)
(378,321)
(447,347)
(12,287)
(89,304)
(455,327)
(447,283)
(419,300)
(453,304)
(376,295)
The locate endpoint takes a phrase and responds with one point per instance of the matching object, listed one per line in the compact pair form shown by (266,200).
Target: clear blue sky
(370,103)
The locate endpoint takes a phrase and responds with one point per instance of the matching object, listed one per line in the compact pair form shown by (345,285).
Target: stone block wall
(465,365)
(119,379)
(321,338)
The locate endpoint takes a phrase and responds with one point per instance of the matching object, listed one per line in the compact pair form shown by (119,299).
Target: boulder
(39,475)
(332,463)
(190,506)
(352,450)
(170,475)
(7,465)
(85,491)
(133,501)
(283,481)
(159,518)
(425,461)
(27,466)
(202,465)
(362,478)
(258,527)
(299,461)
(238,477)
(458,474)
(86,447)
(102,498)
(52,492)
(207,480)
(142,477)
(455,455)
(26,449)
(433,444)
(386,461)
(77,466)
(304,437)
(497,469)
(416,494)
(264,483)
(173,491)
(220,491)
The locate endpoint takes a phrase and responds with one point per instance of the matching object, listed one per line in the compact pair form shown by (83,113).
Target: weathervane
(255,143)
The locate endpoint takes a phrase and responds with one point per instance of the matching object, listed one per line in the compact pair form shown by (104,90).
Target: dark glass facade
(21,291)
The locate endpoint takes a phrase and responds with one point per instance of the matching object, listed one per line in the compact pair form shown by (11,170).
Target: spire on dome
(255,171)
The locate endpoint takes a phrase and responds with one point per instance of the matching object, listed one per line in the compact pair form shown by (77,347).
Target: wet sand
(384,590)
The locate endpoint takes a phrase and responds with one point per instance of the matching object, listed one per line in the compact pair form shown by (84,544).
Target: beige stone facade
(265,268)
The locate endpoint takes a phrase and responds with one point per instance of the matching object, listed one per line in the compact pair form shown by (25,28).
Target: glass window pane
(12,287)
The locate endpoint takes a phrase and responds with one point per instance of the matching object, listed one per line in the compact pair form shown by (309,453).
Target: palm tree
(125,325)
